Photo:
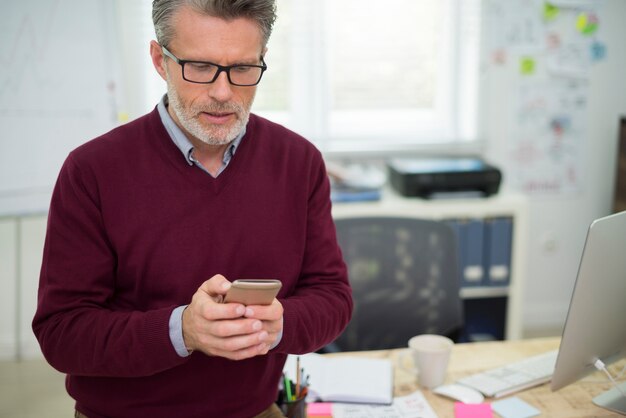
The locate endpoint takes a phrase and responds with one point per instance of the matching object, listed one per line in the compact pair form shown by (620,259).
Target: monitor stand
(612,400)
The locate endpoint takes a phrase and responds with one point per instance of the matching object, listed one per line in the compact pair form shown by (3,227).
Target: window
(386,76)
(357,76)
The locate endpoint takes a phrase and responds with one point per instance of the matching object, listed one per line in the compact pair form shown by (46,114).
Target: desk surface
(573,401)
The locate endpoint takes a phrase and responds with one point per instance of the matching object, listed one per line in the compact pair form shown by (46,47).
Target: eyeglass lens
(243,75)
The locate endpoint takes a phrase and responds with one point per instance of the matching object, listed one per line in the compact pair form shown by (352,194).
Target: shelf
(503,204)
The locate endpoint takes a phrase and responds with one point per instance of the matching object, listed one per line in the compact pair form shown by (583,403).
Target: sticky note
(514,408)
(587,23)
(598,51)
(478,410)
(122,117)
(550,11)
(498,56)
(527,65)
(319,409)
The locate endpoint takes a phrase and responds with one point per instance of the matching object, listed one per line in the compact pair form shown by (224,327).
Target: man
(150,223)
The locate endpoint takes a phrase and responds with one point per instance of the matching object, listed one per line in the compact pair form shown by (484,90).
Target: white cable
(598,364)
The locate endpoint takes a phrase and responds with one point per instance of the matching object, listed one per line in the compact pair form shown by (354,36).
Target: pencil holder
(294,409)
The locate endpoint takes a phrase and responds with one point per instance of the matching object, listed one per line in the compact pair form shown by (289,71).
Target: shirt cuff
(176,331)
(280,335)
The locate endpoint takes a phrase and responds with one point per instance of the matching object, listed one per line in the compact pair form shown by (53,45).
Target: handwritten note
(414,405)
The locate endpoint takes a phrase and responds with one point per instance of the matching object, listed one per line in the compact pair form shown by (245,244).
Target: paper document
(345,379)
(414,405)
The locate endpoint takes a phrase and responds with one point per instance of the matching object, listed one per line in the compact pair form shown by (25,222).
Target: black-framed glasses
(204,72)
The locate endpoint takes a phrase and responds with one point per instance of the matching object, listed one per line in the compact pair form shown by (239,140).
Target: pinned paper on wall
(572,44)
(551,45)
(513,25)
(546,149)
(563,34)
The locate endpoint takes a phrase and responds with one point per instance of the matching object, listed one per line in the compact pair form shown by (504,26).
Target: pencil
(298,377)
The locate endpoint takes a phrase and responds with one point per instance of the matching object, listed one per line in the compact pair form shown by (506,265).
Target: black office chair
(403,273)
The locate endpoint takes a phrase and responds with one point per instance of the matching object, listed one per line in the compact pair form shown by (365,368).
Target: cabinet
(490,309)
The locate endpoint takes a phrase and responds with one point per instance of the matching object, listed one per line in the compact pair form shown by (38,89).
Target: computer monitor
(595,327)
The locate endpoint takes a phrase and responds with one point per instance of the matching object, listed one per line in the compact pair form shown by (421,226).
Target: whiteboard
(57,90)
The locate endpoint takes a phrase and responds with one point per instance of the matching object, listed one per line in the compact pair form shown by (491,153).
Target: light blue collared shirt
(186,148)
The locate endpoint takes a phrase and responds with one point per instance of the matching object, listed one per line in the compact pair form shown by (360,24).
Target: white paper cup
(431,354)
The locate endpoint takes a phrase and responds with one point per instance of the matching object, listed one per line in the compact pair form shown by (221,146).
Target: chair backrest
(403,273)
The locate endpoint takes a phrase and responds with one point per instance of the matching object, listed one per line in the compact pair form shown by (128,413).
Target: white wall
(558,225)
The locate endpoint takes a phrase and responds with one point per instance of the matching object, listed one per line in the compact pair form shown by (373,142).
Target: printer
(429,177)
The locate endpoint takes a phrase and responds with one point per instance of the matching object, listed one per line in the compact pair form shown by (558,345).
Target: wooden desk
(573,401)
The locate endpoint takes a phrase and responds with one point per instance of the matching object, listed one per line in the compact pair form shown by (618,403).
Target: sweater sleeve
(321,306)
(78,331)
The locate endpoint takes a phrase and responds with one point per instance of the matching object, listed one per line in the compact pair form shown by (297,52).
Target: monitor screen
(595,327)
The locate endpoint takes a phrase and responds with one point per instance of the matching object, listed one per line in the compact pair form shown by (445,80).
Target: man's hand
(229,330)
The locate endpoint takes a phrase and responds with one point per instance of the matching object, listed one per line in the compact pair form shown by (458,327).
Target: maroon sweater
(133,231)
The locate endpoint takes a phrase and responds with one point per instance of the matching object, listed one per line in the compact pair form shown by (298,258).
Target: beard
(187,115)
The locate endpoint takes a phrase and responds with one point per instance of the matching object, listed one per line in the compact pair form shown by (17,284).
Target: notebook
(344,378)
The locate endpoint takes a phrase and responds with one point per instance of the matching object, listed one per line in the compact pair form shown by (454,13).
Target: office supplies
(320,409)
(514,407)
(513,377)
(595,328)
(471,241)
(298,374)
(292,396)
(345,379)
(466,410)
(574,401)
(428,176)
(288,396)
(344,194)
(413,405)
(296,408)
(355,182)
(472,234)
(498,241)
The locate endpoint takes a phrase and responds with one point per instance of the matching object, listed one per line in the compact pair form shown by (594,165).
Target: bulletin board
(551,46)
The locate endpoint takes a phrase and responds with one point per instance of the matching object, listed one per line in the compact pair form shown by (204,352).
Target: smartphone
(253,291)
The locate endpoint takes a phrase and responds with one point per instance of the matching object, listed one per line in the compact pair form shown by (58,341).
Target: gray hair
(263,12)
